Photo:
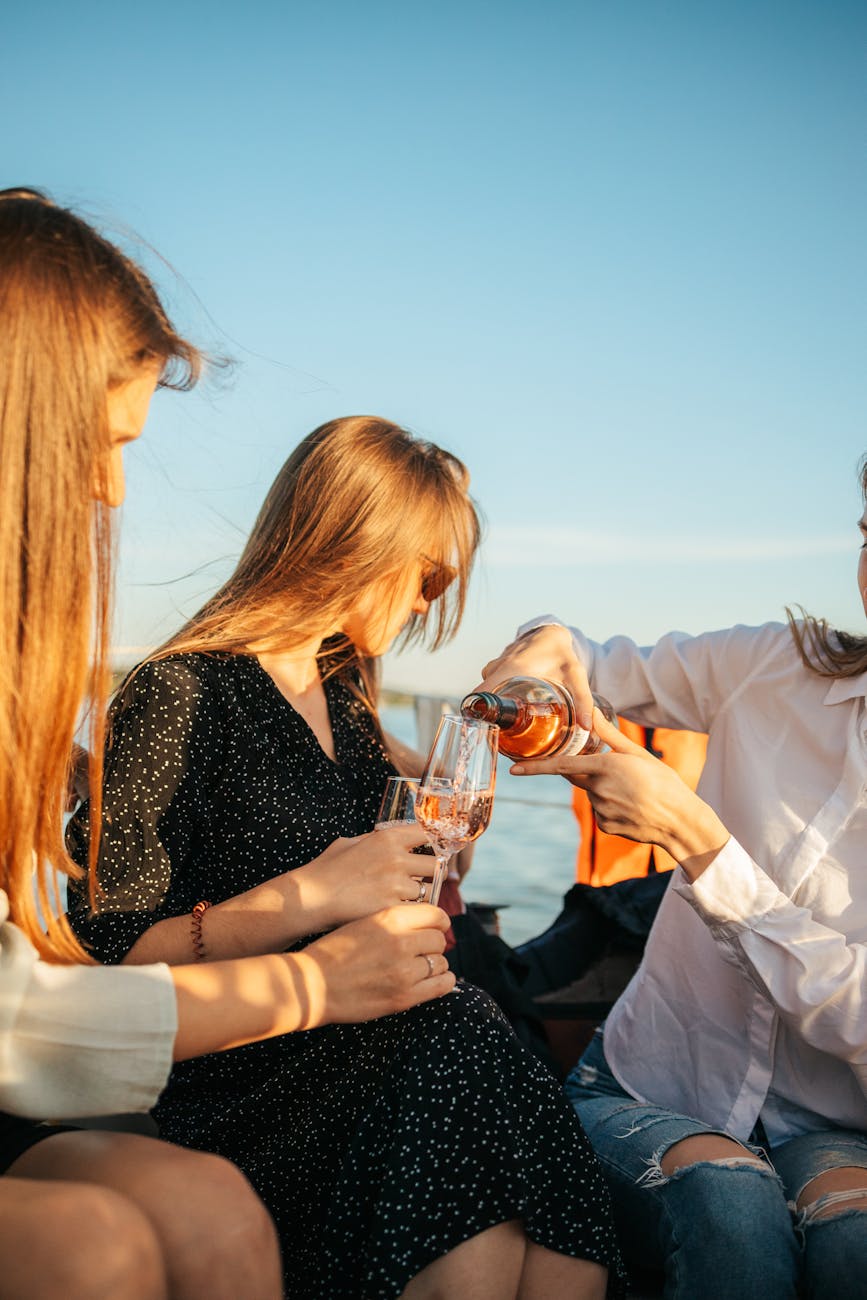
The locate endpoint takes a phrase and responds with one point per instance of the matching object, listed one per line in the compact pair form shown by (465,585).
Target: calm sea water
(526,858)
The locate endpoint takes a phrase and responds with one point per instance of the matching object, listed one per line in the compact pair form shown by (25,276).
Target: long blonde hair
(359,499)
(76,317)
(823,649)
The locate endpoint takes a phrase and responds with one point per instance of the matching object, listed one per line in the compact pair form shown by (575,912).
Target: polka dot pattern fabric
(377,1147)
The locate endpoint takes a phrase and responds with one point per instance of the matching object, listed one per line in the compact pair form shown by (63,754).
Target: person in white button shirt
(84,341)
(726,1094)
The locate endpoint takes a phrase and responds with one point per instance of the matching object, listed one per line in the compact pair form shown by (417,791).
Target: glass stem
(441,870)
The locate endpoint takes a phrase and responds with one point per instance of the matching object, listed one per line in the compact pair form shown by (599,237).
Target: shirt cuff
(90,1040)
(542,620)
(732,891)
(582,647)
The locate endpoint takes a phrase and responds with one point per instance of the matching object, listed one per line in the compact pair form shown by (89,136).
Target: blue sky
(611,255)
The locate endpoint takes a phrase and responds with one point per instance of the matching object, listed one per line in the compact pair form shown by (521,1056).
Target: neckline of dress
(268,685)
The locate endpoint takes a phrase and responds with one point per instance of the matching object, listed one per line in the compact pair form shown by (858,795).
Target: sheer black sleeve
(163,756)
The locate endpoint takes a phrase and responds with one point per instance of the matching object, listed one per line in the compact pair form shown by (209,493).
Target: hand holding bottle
(636,795)
(545,652)
(535,718)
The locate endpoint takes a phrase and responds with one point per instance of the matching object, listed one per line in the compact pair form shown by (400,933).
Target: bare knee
(548,1273)
(487,1266)
(242,1255)
(834,1191)
(712,1147)
(96,1242)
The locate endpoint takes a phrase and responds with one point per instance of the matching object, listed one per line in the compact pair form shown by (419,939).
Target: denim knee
(835,1255)
(726,1231)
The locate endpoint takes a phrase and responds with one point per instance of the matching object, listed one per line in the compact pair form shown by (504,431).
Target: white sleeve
(815,979)
(81,1040)
(680,682)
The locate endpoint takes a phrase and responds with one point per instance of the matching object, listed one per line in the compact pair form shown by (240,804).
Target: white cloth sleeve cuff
(732,891)
(583,647)
(87,1040)
(542,620)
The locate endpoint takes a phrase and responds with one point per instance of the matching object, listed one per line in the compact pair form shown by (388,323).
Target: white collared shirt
(80,1040)
(752,995)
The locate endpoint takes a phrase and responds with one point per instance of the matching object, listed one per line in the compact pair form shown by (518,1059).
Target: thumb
(404,918)
(613,737)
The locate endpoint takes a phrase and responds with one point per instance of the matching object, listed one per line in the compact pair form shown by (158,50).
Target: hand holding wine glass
(456,790)
(397,808)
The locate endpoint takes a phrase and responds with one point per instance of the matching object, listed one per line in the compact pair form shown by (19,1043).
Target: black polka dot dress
(377,1147)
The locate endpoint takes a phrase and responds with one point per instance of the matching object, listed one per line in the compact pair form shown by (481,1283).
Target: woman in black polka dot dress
(423,1154)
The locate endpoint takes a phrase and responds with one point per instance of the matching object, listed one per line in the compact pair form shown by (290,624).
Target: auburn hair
(77,317)
(358,501)
(824,649)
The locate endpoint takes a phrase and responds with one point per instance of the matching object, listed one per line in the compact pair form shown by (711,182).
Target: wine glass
(456,790)
(397,806)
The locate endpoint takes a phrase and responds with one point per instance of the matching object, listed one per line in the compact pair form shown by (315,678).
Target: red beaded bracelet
(196,928)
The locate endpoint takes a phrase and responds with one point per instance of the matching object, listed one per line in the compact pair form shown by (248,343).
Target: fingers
(422,887)
(426,990)
(507,663)
(406,835)
(405,918)
(431,965)
(406,838)
(614,738)
(580,771)
(545,651)
(573,675)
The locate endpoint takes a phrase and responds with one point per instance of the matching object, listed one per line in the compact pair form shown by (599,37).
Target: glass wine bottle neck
(486,707)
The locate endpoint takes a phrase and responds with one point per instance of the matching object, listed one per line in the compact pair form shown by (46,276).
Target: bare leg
(216,1237)
(487,1267)
(75,1241)
(548,1273)
(704,1146)
(845,1178)
(500,1264)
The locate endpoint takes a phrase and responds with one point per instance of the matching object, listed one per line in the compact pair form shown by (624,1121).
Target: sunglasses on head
(436,581)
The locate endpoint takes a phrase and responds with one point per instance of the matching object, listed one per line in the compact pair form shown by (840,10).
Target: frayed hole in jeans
(848,1199)
(655,1176)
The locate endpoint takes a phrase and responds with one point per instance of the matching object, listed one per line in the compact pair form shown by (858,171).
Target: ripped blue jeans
(723,1229)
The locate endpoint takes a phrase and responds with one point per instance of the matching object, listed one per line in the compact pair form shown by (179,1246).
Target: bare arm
(353,878)
(371,968)
(84,1040)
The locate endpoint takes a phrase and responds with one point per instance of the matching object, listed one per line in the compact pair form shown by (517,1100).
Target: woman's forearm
(695,839)
(225,1004)
(353,877)
(265,919)
(373,967)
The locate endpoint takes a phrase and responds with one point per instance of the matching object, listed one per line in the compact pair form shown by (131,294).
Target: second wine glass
(456,790)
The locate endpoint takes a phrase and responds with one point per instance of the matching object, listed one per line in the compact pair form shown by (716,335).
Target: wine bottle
(536,718)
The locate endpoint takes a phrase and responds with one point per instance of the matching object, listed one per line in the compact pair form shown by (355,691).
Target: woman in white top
(727,1094)
(84,342)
